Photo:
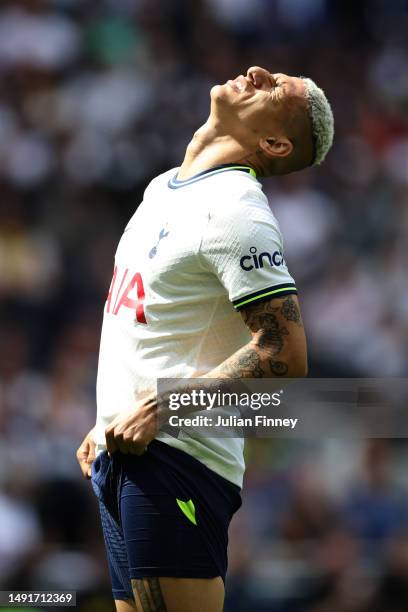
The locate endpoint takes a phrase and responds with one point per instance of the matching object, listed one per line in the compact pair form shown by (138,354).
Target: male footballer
(200,287)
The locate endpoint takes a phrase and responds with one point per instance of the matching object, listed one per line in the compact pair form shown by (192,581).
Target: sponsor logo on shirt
(126,294)
(256,260)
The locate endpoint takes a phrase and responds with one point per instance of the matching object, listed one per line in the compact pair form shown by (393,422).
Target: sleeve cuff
(265,294)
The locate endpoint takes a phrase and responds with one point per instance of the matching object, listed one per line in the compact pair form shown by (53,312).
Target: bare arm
(277,347)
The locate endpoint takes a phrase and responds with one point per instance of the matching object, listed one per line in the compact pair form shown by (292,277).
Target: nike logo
(188,509)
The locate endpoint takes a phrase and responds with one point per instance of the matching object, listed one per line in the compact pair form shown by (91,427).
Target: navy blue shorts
(163,514)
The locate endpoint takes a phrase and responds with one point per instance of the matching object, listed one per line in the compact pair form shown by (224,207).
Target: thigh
(125,606)
(178,594)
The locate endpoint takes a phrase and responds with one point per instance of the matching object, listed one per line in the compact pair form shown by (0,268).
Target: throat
(210,146)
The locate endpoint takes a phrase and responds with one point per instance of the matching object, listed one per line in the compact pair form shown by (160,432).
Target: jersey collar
(174,183)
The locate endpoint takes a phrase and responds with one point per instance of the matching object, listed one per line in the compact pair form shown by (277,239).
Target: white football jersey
(193,254)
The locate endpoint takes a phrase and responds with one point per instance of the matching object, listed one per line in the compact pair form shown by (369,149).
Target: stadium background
(97,98)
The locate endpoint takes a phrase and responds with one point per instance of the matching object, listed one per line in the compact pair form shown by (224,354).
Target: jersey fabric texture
(194,253)
(163,514)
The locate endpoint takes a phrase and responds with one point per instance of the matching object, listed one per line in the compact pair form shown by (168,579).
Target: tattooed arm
(278,344)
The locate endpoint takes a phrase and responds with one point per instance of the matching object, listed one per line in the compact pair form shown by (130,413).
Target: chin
(219,93)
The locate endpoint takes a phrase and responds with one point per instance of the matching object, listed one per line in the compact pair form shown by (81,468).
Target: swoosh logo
(188,509)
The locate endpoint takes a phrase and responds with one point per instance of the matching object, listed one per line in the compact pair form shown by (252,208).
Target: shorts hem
(121,595)
(165,572)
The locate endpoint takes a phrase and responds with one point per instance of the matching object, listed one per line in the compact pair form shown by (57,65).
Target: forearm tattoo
(245,363)
(148,595)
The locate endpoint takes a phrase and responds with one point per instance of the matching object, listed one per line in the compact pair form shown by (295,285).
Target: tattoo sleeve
(277,336)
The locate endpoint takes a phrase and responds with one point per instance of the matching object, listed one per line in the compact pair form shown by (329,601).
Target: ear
(276,147)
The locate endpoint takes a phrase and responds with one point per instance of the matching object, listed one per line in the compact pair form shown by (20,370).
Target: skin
(125,606)
(260,120)
(165,595)
(86,455)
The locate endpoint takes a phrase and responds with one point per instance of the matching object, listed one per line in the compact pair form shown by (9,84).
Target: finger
(84,468)
(138,448)
(82,457)
(120,440)
(111,445)
(82,452)
(139,451)
(122,445)
(91,454)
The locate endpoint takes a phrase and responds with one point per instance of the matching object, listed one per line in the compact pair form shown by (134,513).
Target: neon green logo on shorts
(188,509)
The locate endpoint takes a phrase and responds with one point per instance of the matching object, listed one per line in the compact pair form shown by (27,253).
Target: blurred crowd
(96,98)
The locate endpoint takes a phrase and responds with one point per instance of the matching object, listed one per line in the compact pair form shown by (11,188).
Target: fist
(86,454)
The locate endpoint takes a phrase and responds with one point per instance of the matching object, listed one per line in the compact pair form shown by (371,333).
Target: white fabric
(190,276)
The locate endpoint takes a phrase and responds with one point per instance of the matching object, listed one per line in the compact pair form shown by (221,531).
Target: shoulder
(234,189)
(161,180)
(242,202)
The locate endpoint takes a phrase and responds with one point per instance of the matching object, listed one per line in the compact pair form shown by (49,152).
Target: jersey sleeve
(243,247)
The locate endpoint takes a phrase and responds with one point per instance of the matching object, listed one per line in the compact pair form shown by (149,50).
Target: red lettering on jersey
(119,290)
(140,315)
(137,305)
(109,297)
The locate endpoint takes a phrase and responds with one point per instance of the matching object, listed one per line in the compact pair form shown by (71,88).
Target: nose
(260,77)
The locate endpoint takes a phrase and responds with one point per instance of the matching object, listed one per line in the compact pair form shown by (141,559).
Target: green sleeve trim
(262,295)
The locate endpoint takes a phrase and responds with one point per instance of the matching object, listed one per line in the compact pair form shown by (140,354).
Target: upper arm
(243,247)
(278,334)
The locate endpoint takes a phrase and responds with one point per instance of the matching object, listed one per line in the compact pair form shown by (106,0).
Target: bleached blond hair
(321,117)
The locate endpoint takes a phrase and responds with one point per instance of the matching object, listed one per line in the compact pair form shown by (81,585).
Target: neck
(211,147)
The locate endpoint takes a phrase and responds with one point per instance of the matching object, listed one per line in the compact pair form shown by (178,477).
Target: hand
(86,454)
(131,432)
